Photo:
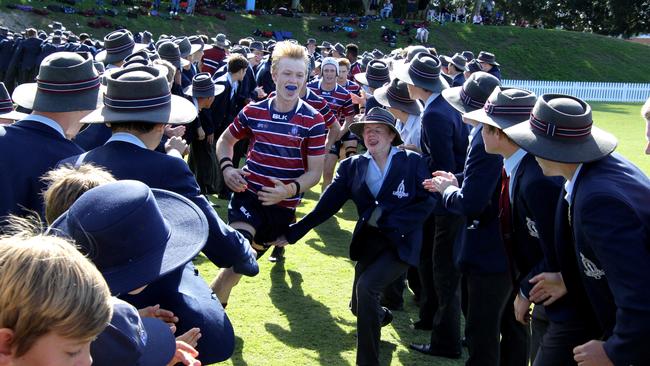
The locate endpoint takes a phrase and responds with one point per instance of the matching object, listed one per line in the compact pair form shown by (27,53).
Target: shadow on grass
(237,356)
(311,325)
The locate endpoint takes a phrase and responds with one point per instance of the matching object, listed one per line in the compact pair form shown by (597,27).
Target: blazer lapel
(360,181)
(394,172)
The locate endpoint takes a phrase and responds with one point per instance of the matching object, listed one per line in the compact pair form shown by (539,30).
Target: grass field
(535,54)
(296,312)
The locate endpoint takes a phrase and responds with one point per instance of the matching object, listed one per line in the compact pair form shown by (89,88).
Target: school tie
(505,221)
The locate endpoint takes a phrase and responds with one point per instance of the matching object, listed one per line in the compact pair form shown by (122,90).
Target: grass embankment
(525,53)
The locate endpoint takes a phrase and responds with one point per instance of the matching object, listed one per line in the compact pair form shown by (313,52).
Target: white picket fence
(598,92)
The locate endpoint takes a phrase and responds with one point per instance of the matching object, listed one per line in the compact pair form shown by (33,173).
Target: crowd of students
(491,202)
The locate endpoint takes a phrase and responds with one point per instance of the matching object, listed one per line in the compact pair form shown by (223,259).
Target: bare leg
(227,278)
(328,170)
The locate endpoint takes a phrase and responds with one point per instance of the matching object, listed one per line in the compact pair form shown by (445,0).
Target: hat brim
(107,58)
(222,45)
(452,96)
(381,96)
(188,233)
(13,115)
(207,47)
(161,344)
(196,48)
(357,129)
(500,122)
(28,96)
(363,79)
(493,63)
(436,85)
(596,146)
(180,111)
(218,89)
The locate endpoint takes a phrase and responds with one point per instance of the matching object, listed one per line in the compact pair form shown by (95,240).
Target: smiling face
(377,137)
(329,74)
(343,74)
(289,77)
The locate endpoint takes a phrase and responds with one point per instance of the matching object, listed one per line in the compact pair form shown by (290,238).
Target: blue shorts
(269,222)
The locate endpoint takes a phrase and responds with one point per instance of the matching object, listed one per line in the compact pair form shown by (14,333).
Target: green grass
(296,312)
(525,53)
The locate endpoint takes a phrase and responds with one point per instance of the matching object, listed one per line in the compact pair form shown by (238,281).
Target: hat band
(468,100)
(121,48)
(495,110)
(6,106)
(550,129)
(380,118)
(378,77)
(130,104)
(67,87)
(205,87)
(423,74)
(399,98)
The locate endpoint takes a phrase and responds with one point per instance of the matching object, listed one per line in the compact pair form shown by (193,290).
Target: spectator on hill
(422,34)
(477,19)
(387,10)
(411,9)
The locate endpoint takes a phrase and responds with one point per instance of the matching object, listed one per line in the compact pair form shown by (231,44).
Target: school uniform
(263,76)
(444,145)
(458,80)
(387,236)
(610,221)
(27,56)
(6,50)
(28,149)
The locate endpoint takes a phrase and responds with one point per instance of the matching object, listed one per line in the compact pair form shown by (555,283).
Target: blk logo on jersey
(280,117)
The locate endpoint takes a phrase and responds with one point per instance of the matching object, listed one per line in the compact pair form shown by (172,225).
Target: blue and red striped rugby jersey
(319,104)
(279,143)
(338,99)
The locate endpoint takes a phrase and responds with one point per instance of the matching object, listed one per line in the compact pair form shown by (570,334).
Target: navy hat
(131,340)
(7,107)
(134,235)
(473,66)
(202,86)
(311,41)
(339,48)
(488,58)
(377,115)
(469,55)
(325,45)
(258,46)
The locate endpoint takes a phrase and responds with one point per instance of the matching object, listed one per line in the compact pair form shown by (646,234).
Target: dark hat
(57,32)
(473,66)
(469,55)
(118,45)
(55,40)
(4,31)
(56,25)
(377,53)
(311,41)
(258,46)
(185,47)
(414,50)
(169,51)
(73,39)
(376,74)
(458,61)
(66,82)
(242,50)
(99,67)
(197,43)
(381,116)
(339,48)
(488,58)
(221,41)
(326,45)
(505,107)
(202,86)
(141,57)
(131,340)
(560,128)
(444,60)
(141,94)
(473,93)
(7,106)
(396,95)
(134,235)
(423,72)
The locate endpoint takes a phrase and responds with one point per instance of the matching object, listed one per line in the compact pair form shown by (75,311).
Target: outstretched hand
(440,181)
(272,195)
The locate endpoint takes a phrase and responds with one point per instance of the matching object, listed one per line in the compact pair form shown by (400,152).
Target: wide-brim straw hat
(505,108)
(66,82)
(396,95)
(141,94)
(424,72)
(377,115)
(473,93)
(560,128)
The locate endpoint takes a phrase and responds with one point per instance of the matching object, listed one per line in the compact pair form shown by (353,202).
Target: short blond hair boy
(48,290)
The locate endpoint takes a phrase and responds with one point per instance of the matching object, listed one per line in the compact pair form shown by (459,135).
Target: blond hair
(344,62)
(67,183)
(47,285)
(287,49)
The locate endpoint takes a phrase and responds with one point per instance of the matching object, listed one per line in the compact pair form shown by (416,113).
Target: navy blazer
(263,77)
(610,219)
(403,203)
(459,80)
(94,135)
(444,137)
(124,160)
(479,247)
(28,149)
(28,53)
(496,72)
(48,49)
(6,51)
